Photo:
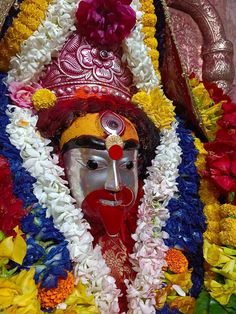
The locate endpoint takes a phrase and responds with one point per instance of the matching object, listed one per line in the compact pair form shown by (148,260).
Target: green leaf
(202,303)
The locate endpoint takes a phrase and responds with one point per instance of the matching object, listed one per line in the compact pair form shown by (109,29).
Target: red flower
(221,164)
(11,208)
(216,93)
(105,22)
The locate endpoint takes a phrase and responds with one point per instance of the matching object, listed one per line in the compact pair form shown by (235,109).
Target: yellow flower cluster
(79,302)
(157,107)
(31,15)
(149,20)
(43,99)
(208,110)
(220,233)
(18,294)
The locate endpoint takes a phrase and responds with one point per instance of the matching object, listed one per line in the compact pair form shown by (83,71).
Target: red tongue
(111,218)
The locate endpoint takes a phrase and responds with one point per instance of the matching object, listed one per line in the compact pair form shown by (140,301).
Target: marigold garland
(158,108)
(31,14)
(52,297)
(149,21)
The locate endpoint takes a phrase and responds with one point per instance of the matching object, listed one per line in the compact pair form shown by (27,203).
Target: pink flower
(105,22)
(21,94)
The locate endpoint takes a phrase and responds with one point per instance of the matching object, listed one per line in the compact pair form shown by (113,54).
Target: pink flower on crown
(21,94)
(105,22)
(103,63)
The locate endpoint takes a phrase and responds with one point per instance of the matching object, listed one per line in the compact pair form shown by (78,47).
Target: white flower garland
(149,251)
(51,191)
(38,50)
(136,55)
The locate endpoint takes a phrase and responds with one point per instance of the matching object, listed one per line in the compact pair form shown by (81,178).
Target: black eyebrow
(88,141)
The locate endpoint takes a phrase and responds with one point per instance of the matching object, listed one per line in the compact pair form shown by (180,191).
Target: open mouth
(111,203)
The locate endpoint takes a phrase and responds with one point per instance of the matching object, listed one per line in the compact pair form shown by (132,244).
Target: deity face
(98,181)
(103,181)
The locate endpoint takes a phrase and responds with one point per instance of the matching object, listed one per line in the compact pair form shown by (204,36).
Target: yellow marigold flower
(147,6)
(18,294)
(151,42)
(183,280)
(183,304)
(14,248)
(208,192)
(199,145)
(213,226)
(43,99)
(228,224)
(23,32)
(149,31)
(228,238)
(212,237)
(212,211)
(157,107)
(149,20)
(227,210)
(154,54)
(161,296)
(52,297)
(79,302)
(221,292)
(176,261)
(30,12)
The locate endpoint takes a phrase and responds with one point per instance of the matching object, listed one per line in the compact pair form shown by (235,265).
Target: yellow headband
(90,125)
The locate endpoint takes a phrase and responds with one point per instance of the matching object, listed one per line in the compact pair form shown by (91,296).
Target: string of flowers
(52,192)
(185,228)
(219,241)
(32,12)
(46,247)
(136,54)
(38,49)
(149,20)
(148,258)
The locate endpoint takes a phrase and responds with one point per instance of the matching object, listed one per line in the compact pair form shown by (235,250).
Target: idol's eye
(129,165)
(92,164)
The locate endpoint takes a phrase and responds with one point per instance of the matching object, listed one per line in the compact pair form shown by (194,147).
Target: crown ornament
(95,70)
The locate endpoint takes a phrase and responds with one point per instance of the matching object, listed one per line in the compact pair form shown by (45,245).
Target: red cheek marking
(115,152)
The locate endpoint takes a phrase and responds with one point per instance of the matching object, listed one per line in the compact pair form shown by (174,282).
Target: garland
(185,228)
(148,258)
(32,12)
(149,20)
(44,44)
(136,54)
(52,192)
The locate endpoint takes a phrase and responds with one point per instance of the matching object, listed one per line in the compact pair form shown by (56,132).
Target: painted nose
(113,181)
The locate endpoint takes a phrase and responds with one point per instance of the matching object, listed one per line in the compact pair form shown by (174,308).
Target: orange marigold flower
(183,304)
(176,261)
(52,297)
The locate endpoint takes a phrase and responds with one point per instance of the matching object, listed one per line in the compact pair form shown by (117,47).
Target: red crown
(95,70)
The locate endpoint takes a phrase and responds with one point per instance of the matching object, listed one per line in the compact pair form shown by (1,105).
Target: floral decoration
(221,158)
(45,42)
(21,94)
(105,22)
(11,207)
(18,294)
(23,26)
(208,106)
(148,258)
